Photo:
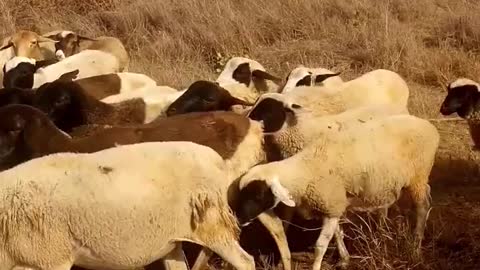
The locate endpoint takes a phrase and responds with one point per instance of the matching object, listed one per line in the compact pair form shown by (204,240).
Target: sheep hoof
(342,264)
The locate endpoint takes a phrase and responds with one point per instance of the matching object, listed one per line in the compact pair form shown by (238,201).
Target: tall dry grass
(428,42)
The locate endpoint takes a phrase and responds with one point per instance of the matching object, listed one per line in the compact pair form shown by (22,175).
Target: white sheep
(363,168)
(119,208)
(20,73)
(70,43)
(304,76)
(156,98)
(288,128)
(89,63)
(375,87)
(292,126)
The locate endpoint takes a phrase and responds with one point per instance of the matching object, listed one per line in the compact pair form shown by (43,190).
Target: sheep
(375,87)
(463,98)
(304,76)
(16,96)
(69,106)
(292,126)
(288,127)
(88,62)
(204,96)
(27,44)
(329,176)
(249,73)
(69,213)
(157,99)
(20,73)
(232,136)
(237,139)
(70,43)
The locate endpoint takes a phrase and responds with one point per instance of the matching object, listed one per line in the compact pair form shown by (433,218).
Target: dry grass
(428,42)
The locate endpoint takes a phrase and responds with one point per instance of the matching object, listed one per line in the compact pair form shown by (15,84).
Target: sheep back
(88,203)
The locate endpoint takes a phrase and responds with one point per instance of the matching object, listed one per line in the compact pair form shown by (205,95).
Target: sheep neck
(45,139)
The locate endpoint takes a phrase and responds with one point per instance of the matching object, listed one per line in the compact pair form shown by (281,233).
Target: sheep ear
(9,44)
(45,39)
(86,38)
(322,77)
(69,76)
(265,76)
(281,193)
(236,101)
(44,63)
(55,37)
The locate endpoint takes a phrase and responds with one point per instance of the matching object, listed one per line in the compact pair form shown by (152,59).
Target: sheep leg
(326,235)
(342,249)
(65,266)
(288,214)
(202,259)
(382,216)
(275,227)
(233,253)
(421,196)
(175,259)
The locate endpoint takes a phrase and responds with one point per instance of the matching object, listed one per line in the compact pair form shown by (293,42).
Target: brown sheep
(222,131)
(70,43)
(69,106)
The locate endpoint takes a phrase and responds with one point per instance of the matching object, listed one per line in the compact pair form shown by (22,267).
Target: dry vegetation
(429,42)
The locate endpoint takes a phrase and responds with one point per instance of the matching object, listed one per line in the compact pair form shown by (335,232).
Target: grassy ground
(428,42)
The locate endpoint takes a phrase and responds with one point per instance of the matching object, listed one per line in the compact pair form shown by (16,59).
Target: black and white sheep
(362,168)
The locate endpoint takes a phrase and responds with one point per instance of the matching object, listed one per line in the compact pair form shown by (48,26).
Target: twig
(445,119)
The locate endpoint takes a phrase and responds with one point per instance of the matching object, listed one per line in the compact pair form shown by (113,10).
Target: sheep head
(248,72)
(463,98)
(19,72)
(68,43)
(26,43)
(62,101)
(203,96)
(259,194)
(273,111)
(303,76)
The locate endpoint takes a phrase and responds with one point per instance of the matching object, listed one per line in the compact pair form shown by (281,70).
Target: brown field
(428,42)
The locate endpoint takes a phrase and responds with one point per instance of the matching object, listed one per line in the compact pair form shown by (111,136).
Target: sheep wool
(303,124)
(156,98)
(375,87)
(89,63)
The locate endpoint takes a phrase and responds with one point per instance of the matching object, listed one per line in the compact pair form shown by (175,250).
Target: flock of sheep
(104,169)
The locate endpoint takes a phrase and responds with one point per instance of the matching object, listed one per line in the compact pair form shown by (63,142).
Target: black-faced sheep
(362,168)
(463,98)
(304,76)
(204,96)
